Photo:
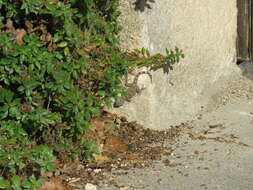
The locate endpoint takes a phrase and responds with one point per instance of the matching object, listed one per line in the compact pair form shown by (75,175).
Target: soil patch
(123,145)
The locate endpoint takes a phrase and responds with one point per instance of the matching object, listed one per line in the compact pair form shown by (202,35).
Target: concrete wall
(205,30)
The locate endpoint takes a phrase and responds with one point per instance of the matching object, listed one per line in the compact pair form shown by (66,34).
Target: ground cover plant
(60,64)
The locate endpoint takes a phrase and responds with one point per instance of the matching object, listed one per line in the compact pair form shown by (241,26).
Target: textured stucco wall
(205,30)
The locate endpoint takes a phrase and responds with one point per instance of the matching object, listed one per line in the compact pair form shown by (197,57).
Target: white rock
(124,188)
(90,186)
(97,170)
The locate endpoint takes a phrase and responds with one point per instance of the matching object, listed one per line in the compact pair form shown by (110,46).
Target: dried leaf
(101,159)
(29,26)
(20,33)
(43,29)
(58,164)
(53,184)
(134,156)
(48,37)
(52,47)
(114,145)
(43,37)
(98,126)
(9,24)
(74,180)
(196,136)
(25,108)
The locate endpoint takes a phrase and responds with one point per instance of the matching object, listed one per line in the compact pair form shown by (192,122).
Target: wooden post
(244,30)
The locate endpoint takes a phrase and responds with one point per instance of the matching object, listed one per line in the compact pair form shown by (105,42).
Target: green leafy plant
(60,64)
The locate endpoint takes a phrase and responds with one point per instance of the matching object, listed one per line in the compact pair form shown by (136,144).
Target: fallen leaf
(48,174)
(25,108)
(72,181)
(43,29)
(48,37)
(133,156)
(114,145)
(20,33)
(53,184)
(195,136)
(58,164)
(9,25)
(101,159)
(96,165)
(135,162)
(29,26)
(51,46)
(168,163)
(97,125)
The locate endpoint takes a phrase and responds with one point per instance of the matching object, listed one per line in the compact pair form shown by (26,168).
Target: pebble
(90,186)
(124,188)
(97,170)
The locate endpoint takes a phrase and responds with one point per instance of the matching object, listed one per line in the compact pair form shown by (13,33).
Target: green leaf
(62,44)
(4,110)
(40,182)
(51,7)
(101,93)
(6,95)
(26,184)
(4,184)
(60,76)
(66,51)
(59,56)
(16,180)
(16,187)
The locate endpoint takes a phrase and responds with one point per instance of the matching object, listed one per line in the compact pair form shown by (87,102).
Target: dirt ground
(213,151)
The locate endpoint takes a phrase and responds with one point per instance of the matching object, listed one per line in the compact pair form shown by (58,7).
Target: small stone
(90,186)
(124,188)
(97,170)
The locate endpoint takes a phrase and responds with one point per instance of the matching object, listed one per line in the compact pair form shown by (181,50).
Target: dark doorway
(244,30)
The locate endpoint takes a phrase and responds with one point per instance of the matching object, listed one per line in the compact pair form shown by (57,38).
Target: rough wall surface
(206,31)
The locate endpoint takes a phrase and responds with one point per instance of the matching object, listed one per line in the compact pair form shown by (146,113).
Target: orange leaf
(20,33)
(114,145)
(53,184)
(100,158)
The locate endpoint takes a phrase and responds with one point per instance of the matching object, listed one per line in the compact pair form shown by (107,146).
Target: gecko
(131,89)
